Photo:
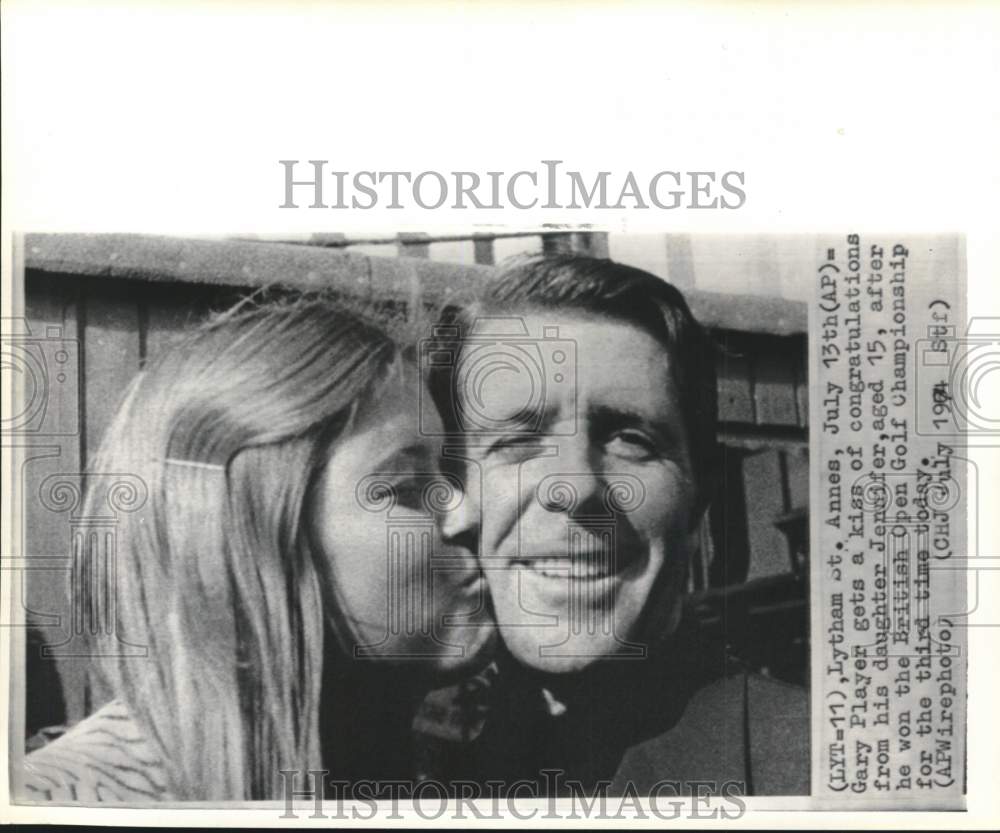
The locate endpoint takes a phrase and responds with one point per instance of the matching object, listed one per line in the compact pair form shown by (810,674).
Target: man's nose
(574,480)
(460,523)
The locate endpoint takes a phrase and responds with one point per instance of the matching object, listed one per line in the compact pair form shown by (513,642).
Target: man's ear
(674,616)
(693,537)
(706,484)
(692,543)
(699,515)
(665,621)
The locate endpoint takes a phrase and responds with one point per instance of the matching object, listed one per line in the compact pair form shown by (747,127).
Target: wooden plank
(412,278)
(178,259)
(55,690)
(413,244)
(802,386)
(728,519)
(506,247)
(169,316)
(597,243)
(797,471)
(457,251)
(52,346)
(774,384)
(680,261)
(765,504)
(334,240)
(735,394)
(111,347)
(748,313)
(483,249)
(557,243)
(250,263)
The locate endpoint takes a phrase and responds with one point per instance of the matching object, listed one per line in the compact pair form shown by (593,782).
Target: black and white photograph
(449,415)
(525,510)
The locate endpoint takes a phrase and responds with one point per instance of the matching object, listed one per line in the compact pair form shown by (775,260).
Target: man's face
(586,501)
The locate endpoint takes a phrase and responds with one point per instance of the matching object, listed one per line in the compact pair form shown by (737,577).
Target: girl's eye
(632,445)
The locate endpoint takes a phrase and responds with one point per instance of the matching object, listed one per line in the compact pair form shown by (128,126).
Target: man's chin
(548,654)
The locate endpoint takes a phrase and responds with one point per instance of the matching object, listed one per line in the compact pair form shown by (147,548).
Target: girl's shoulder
(104,757)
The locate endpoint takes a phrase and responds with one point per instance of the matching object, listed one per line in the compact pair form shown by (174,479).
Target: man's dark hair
(569,282)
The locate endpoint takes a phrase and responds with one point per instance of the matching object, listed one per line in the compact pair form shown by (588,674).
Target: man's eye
(632,445)
(409,492)
(514,447)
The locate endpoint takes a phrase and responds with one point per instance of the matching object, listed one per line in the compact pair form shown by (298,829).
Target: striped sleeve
(102,758)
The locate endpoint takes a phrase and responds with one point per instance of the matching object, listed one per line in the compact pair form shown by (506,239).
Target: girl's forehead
(388,429)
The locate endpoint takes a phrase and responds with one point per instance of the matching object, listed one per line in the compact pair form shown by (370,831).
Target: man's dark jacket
(675,715)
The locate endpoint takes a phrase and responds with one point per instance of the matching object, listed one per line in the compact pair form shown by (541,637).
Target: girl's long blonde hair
(216,574)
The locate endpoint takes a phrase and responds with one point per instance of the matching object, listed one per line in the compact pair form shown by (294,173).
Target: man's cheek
(499,504)
(490,536)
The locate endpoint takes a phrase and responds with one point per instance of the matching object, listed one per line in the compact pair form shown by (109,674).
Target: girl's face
(397,589)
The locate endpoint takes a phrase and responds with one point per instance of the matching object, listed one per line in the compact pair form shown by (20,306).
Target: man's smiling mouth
(575,568)
(586,565)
